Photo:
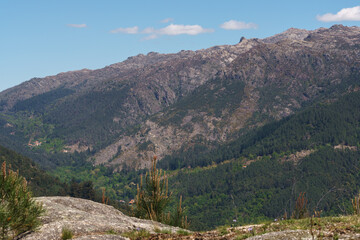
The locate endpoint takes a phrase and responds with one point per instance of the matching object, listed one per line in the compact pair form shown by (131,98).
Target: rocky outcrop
(87,220)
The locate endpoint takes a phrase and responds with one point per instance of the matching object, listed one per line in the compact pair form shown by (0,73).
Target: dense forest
(268,188)
(318,125)
(258,177)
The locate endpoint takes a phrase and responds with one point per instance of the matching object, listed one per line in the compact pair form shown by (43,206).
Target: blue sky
(42,38)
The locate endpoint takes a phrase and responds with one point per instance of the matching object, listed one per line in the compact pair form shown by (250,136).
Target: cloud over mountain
(345,14)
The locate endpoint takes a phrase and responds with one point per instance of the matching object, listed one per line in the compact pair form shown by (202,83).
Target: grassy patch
(223,230)
(111,232)
(66,233)
(163,231)
(182,232)
(135,234)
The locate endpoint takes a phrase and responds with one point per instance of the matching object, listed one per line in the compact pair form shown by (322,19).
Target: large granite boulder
(87,220)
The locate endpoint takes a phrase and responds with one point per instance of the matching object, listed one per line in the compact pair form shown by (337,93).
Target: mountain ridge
(155,104)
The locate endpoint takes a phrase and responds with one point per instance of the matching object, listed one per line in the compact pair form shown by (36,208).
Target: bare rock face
(87,220)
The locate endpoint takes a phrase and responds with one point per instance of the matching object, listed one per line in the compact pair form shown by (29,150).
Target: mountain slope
(269,81)
(41,183)
(260,176)
(160,103)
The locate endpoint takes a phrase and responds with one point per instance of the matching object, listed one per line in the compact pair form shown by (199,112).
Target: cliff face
(156,104)
(87,220)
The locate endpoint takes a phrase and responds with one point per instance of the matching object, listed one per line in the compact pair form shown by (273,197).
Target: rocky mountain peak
(291,33)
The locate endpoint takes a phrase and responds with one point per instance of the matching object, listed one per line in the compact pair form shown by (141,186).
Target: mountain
(243,129)
(158,104)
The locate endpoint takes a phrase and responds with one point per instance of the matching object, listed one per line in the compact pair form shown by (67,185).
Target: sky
(39,38)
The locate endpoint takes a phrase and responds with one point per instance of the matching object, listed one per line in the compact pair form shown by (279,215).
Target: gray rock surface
(284,235)
(87,220)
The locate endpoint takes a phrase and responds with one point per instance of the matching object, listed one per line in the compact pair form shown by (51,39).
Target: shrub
(356,205)
(18,211)
(300,210)
(66,233)
(153,198)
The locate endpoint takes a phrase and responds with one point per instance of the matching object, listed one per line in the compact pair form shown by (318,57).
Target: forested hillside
(260,175)
(40,182)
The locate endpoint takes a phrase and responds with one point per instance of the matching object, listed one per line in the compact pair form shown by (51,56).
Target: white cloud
(166,20)
(345,14)
(77,25)
(152,36)
(130,30)
(236,25)
(171,29)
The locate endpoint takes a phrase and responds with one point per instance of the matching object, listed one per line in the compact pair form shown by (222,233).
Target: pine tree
(18,210)
(153,198)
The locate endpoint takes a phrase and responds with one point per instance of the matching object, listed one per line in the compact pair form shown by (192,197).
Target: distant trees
(18,210)
(83,190)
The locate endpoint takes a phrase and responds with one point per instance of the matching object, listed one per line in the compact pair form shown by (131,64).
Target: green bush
(18,211)
(153,199)
(66,233)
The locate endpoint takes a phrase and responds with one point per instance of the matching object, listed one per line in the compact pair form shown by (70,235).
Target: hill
(40,182)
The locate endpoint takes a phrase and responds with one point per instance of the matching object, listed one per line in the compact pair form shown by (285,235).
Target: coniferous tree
(18,210)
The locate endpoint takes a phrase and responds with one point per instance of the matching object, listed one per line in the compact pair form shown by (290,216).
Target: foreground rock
(88,220)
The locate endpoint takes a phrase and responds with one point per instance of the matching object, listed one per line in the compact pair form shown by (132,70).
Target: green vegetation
(256,177)
(41,102)
(164,231)
(211,97)
(182,232)
(18,211)
(153,198)
(318,125)
(89,117)
(66,233)
(136,234)
(269,186)
(119,185)
(40,182)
